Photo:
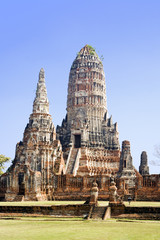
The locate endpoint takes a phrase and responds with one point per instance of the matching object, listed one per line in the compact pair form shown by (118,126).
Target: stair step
(72,160)
(98,212)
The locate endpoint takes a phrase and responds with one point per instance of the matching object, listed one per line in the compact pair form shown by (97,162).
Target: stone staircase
(72,160)
(19,198)
(99,213)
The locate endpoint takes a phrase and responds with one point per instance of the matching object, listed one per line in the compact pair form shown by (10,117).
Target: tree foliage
(157,155)
(3,160)
(157,151)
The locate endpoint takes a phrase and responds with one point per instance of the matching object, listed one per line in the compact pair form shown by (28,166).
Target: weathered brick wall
(60,210)
(78,188)
(148,194)
(121,211)
(142,210)
(117,211)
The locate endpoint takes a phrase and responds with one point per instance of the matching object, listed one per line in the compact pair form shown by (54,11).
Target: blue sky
(48,34)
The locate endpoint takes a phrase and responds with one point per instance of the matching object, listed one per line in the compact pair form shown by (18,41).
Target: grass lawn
(35,203)
(142,204)
(101,203)
(74,229)
(36,228)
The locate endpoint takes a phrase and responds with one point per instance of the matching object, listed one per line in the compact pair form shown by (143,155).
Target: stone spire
(39,155)
(143,168)
(126,158)
(40,122)
(87,89)
(41,103)
(87,121)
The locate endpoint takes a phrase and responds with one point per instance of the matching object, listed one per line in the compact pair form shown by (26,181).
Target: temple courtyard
(16,227)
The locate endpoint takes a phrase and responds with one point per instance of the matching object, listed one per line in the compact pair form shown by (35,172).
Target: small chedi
(63,163)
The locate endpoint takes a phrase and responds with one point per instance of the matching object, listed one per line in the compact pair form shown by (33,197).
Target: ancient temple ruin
(89,139)
(63,163)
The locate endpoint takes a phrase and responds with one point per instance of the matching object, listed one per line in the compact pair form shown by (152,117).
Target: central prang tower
(86,134)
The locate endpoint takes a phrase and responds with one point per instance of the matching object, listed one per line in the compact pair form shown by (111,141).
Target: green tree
(3,160)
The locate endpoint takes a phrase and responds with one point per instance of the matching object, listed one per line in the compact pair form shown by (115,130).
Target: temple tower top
(41,103)
(86,88)
(87,122)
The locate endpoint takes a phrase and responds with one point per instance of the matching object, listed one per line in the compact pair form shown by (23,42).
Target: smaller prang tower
(38,156)
(126,170)
(144,168)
